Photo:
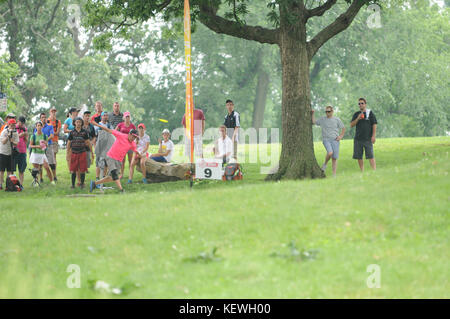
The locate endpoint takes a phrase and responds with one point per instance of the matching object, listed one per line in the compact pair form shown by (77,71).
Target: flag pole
(189,109)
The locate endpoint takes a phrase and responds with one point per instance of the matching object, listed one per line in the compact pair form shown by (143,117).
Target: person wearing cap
(20,159)
(333,131)
(115,156)
(92,137)
(141,155)
(7,118)
(69,122)
(115,117)
(104,143)
(166,148)
(78,142)
(97,117)
(38,145)
(125,127)
(53,121)
(9,138)
(69,126)
(48,131)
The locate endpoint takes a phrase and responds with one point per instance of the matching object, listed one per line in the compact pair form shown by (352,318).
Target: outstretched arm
(102,127)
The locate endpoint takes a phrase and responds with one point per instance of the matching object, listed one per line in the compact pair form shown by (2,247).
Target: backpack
(13,184)
(34,141)
(232,172)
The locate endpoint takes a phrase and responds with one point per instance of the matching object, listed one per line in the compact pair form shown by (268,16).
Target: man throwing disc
(114,157)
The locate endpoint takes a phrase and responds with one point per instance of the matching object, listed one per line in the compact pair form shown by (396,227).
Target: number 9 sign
(208,169)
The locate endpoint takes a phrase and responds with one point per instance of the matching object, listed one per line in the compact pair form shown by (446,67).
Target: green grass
(161,236)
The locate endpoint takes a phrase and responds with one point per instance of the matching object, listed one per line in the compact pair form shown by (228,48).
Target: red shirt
(198,118)
(122,128)
(121,146)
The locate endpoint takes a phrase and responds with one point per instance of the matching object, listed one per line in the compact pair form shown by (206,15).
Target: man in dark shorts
(365,136)
(78,141)
(116,154)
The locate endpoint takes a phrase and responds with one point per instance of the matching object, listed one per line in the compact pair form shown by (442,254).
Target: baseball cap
(126,114)
(11,121)
(87,112)
(52,108)
(11,115)
(134,133)
(141,125)
(166,131)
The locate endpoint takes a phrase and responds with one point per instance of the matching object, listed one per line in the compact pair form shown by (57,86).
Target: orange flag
(189,115)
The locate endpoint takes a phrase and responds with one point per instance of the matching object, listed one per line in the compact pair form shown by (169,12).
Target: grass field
(156,241)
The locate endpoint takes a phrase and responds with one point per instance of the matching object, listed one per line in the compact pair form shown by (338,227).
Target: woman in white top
(141,156)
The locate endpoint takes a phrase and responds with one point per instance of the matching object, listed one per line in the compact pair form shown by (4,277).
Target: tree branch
(208,16)
(320,10)
(340,24)
(49,24)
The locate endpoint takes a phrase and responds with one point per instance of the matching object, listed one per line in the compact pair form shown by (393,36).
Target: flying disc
(163,120)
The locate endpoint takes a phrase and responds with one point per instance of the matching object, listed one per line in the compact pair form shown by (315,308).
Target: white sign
(208,168)
(3,104)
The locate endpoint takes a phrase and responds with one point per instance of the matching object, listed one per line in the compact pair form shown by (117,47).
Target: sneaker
(53,183)
(122,191)
(82,186)
(144,180)
(129,181)
(42,180)
(324,167)
(91,186)
(55,179)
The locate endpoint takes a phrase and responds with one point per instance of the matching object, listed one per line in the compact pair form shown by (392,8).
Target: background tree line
(402,68)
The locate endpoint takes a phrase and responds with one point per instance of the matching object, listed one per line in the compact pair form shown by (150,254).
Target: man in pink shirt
(199,129)
(115,156)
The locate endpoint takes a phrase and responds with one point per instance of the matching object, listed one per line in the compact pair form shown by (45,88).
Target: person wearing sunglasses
(333,131)
(365,136)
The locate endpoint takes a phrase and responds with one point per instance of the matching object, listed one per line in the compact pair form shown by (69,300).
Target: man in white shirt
(223,147)
(166,149)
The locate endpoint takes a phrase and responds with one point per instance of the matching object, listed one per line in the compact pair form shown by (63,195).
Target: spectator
(8,139)
(115,156)
(97,117)
(68,127)
(78,142)
(88,127)
(232,123)
(104,143)
(365,136)
(38,145)
(7,118)
(125,127)
(68,123)
(141,155)
(166,148)
(53,121)
(330,136)
(48,131)
(20,159)
(199,129)
(116,116)
(223,147)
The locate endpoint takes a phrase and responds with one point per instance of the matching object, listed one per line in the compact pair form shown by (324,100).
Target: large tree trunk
(297,158)
(259,104)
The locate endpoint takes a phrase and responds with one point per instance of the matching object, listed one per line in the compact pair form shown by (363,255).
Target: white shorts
(198,146)
(36,158)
